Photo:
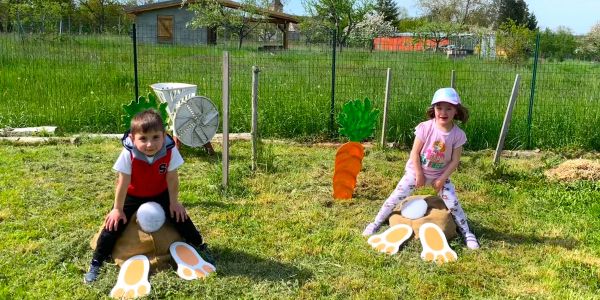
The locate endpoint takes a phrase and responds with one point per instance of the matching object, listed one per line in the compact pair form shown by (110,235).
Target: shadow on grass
(198,152)
(211,204)
(514,239)
(238,263)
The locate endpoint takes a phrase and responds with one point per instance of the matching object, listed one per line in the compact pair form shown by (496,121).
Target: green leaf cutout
(144,103)
(357,119)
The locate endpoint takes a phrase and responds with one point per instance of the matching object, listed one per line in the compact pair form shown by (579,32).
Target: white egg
(414,209)
(150,216)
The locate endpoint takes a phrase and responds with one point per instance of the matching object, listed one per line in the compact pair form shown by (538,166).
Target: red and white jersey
(148,174)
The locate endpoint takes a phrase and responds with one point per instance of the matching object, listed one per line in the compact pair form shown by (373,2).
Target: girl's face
(444,113)
(149,142)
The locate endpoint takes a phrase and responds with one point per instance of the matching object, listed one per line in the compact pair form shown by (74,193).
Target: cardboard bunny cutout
(430,221)
(149,242)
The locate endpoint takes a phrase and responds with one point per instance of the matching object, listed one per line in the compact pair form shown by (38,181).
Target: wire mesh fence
(79,82)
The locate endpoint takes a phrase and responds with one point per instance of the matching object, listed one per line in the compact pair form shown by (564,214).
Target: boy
(147,170)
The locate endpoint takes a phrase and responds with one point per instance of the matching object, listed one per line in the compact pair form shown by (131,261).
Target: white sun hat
(446,95)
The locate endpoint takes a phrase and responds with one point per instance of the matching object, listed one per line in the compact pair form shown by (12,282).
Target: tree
(517,11)
(56,16)
(341,15)
(473,12)
(438,31)
(532,22)
(516,41)
(410,24)
(373,25)
(242,21)
(481,13)
(101,13)
(590,44)
(557,45)
(5,17)
(440,10)
(314,30)
(389,10)
(36,15)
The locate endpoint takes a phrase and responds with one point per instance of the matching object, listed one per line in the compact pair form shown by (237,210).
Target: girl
(434,156)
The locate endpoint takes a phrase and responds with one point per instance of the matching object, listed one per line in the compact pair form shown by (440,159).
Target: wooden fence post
(507,118)
(225,154)
(385,107)
(254,127)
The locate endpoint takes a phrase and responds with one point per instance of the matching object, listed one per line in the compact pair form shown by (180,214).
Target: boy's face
(149,142)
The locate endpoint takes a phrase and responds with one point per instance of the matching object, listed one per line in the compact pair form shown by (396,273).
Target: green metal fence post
(332,108)
(135,60)
(532,93)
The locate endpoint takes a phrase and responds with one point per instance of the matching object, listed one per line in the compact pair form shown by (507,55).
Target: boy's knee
(112,233)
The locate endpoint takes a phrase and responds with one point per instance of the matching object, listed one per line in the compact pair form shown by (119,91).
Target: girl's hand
(420,180)
(438,184)
(177,211)
(111,222)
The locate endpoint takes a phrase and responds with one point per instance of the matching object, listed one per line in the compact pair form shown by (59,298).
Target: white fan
(196,121)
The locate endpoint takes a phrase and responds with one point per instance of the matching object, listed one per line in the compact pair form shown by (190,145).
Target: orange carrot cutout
(357,122)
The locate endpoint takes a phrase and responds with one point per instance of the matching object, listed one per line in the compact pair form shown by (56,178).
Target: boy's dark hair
(147,120)
(462,113)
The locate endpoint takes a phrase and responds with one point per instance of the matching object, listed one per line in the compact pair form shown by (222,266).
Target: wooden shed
(165,22)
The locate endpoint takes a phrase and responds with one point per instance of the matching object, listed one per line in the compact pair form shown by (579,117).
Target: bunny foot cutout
(435,245)
(133,279)
(190,264)
(390,240)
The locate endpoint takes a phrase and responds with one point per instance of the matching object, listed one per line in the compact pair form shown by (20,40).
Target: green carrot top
(357,119)
(141,104)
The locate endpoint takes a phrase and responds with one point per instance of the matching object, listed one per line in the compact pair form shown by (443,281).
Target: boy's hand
(438,184)
(111,222)
(177,211)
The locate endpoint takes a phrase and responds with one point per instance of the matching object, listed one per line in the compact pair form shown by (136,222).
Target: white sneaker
(370,229)
(471,241)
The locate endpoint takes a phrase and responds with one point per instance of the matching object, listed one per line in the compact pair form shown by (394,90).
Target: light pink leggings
(406,186)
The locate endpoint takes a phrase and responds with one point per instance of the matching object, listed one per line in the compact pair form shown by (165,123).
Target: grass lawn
(278,235)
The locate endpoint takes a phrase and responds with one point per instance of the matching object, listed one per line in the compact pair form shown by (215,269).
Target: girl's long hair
(462,113)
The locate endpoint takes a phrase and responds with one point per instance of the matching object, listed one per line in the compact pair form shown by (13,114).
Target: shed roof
(276,17)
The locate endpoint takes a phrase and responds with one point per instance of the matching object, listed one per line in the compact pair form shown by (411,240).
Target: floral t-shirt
(437,148)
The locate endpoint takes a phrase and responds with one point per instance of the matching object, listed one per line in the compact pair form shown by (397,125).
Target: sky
(577,15)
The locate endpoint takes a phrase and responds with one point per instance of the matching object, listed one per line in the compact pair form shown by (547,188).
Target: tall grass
(80,83)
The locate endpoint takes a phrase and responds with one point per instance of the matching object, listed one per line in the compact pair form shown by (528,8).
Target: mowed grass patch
(277,234)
